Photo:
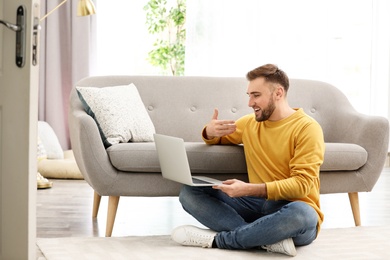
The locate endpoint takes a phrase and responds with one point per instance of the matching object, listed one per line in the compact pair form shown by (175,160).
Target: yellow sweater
(285,155)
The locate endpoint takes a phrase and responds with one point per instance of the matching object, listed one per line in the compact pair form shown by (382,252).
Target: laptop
(174,162)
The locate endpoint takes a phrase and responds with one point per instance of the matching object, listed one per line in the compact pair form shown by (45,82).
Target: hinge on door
(19,28)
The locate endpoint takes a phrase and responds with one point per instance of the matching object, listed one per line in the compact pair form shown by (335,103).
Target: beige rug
(366,243)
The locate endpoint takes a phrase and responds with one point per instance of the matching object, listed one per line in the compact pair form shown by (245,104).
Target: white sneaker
(286,247)
(42,182)
(193,236)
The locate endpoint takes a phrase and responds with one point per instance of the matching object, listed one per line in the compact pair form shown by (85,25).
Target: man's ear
(279,92)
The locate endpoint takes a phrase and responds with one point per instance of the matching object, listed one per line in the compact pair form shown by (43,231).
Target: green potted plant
(169,24)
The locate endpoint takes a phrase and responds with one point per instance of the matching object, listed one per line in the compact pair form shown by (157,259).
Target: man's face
(261,99)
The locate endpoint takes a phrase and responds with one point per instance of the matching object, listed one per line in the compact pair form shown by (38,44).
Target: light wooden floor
(65,210)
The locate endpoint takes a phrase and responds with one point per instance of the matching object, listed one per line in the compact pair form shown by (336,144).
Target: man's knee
(183,194)
(303,214)
(187,195)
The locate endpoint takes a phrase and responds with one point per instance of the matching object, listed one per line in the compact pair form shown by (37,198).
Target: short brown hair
(271,73)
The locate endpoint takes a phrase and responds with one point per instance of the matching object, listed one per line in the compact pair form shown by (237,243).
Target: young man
(280,206)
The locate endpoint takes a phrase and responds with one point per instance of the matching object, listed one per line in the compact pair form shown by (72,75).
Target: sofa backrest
(181,106)
(325,103)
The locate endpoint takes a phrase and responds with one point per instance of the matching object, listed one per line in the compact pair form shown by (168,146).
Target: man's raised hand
(219,128)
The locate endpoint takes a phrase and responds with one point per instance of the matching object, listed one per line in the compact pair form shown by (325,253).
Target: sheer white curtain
(66,56)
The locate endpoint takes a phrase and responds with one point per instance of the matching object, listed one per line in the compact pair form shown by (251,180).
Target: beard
(267,112)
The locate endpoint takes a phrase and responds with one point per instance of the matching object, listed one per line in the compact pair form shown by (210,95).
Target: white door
(18,132)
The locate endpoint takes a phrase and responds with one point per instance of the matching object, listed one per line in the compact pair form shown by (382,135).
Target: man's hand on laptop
(235,188)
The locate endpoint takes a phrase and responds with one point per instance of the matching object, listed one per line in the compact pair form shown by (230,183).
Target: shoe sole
(44,185)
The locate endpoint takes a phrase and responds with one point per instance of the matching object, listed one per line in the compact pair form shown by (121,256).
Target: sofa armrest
(89,151)
(371,133)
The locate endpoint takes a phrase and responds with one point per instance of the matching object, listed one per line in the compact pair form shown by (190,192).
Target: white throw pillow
(50,141)
(119,113)
(41,152)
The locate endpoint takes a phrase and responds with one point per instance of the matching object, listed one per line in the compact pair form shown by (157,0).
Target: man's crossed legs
(245,222)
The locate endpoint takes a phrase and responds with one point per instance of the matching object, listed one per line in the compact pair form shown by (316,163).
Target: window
(342,42)
(123,41)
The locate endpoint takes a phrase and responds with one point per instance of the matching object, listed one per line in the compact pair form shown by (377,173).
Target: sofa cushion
(142,157)
(119,112)
(343,157)
(203,158)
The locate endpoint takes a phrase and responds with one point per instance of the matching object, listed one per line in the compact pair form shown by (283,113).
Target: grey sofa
(356,144)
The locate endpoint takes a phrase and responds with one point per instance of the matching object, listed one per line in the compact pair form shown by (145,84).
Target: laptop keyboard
(197,181)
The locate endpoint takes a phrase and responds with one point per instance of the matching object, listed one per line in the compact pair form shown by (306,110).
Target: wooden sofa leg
(354,200)
(96,204)
(112,208)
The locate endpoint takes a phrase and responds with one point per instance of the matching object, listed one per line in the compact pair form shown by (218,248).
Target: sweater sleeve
(234,138)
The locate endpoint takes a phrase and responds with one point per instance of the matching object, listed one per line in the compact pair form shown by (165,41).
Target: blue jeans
(249,222)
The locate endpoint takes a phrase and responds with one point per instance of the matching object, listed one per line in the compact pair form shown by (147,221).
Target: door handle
(11,26)
(19,28)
